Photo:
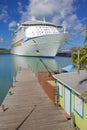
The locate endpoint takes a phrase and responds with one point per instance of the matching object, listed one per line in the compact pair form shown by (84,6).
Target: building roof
(73,80)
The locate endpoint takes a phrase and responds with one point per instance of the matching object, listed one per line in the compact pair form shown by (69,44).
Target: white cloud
(50,7)
(20,7)
(12,25)
(42,8)
(3,13)
(1,39)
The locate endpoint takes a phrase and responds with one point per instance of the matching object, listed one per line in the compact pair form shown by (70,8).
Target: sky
(70,13)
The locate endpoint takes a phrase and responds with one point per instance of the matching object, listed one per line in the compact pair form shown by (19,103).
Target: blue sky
(70,13)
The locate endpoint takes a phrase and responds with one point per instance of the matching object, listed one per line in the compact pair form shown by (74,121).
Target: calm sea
(9,65)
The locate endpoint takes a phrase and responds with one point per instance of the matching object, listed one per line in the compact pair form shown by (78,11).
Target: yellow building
(72,96)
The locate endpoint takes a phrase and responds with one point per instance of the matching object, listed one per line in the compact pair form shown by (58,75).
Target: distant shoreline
(65,54)
(4,51)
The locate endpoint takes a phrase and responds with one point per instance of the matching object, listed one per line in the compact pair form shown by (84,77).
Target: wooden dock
(27,107)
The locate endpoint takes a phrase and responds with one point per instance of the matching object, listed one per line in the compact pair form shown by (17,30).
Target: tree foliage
(79,58)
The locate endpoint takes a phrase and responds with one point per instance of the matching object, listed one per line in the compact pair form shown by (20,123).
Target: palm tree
(79,58)
(83,59)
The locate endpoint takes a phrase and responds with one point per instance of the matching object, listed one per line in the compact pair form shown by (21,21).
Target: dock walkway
(29,108)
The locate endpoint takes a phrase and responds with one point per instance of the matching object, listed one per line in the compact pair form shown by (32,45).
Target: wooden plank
(29,108)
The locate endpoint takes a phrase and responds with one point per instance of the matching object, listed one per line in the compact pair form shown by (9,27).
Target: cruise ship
(38,38)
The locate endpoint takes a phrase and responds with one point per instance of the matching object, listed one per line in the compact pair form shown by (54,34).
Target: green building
(72,96)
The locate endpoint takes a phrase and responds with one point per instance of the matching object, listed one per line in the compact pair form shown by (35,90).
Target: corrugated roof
(73,80)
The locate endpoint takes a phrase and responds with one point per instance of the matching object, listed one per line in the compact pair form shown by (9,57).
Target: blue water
(9,65)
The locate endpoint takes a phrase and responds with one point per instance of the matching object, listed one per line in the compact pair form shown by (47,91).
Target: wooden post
(3,107)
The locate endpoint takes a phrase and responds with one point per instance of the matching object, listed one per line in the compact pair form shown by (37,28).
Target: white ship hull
(47,45)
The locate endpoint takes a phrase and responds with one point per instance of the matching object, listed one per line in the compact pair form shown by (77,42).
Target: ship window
(40,30)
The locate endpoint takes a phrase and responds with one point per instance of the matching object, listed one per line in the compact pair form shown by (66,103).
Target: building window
(79,105)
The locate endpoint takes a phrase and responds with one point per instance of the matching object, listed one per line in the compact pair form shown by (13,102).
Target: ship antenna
(18,24)
(64,27)
(44,20)
(33,18)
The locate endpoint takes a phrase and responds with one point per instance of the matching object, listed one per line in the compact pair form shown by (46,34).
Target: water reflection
(36,63)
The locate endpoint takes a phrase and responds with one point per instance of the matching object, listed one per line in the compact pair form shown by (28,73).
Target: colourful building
(72,96)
